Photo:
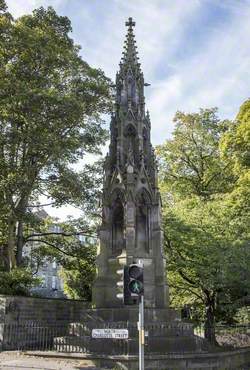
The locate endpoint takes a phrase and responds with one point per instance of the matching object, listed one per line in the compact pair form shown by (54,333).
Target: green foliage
(206,219)
(17,282)
(206,255)
(235,150)
(190,162)
(242,315)
(51,107)
(78,274)
(235,144)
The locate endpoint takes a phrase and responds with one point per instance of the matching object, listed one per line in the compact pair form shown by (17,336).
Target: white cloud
(155,20)
(20,7)
(218,74)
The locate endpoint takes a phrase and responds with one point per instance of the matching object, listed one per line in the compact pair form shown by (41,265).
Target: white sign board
(110,333)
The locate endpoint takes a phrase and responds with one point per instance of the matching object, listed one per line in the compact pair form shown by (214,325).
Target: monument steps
(161,338)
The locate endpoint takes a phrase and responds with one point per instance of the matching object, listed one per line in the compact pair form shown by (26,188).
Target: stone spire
(131,224)
(129,79)
(130,54)
(130,126)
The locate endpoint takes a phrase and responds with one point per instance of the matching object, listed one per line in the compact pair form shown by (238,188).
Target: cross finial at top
(130,22)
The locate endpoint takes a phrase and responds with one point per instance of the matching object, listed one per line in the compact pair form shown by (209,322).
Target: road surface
(19,361)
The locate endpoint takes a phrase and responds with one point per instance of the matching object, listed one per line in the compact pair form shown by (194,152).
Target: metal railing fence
(237,335)
(30,335)
(76,337)
(223,329)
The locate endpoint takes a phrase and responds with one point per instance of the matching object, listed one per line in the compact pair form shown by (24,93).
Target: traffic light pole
(141,333)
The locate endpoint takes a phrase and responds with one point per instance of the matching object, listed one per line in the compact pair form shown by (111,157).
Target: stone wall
(14,308)
(230,360)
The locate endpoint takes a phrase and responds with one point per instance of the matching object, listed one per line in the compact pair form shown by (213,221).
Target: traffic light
(120,284)
(130,284)
(135,280)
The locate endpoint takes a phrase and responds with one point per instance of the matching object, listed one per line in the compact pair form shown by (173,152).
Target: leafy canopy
(207,239)
(51,107)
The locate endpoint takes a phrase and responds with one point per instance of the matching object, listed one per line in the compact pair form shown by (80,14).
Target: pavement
(19,361)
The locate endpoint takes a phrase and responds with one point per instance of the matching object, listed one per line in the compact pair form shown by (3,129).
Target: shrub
(17,282)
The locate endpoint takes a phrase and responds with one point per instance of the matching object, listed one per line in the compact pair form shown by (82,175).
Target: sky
(194,53)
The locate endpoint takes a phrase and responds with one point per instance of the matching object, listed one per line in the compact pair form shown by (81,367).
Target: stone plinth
(165,333)
(161,339)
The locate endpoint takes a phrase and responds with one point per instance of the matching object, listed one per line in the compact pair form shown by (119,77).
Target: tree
(235,149)
(51,102)
(206,250)
(73,245)
(190,162)
(78,273)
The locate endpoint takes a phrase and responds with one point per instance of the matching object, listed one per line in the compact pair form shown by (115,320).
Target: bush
(17,282)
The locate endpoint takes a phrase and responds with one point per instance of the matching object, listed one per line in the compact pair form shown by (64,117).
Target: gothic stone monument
(131,221)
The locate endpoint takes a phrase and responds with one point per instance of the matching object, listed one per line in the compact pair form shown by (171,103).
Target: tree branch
(186,278)
(53,246)
(40,205)
(59,234)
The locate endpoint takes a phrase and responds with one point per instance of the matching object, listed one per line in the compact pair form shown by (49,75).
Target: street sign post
(137,274)
(141,333)
(110,333)
(131,284)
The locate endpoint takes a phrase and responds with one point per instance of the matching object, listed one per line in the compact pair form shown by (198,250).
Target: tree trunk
(19,254)
(4,260)
(209,326)
(11,243)
(20,211)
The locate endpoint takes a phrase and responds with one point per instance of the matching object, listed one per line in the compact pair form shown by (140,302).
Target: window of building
(56,228)
(43,281)
(53,282)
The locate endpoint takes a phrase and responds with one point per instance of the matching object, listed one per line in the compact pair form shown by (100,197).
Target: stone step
(160,344)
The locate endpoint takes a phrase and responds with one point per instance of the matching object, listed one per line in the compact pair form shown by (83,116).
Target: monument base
(164,333)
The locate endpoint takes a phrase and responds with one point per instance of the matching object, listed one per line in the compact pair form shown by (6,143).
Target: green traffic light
(136,287)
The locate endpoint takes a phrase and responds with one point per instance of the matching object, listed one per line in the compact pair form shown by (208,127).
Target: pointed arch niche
(145,141)
(118,225)
(131,141)
(143,220)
